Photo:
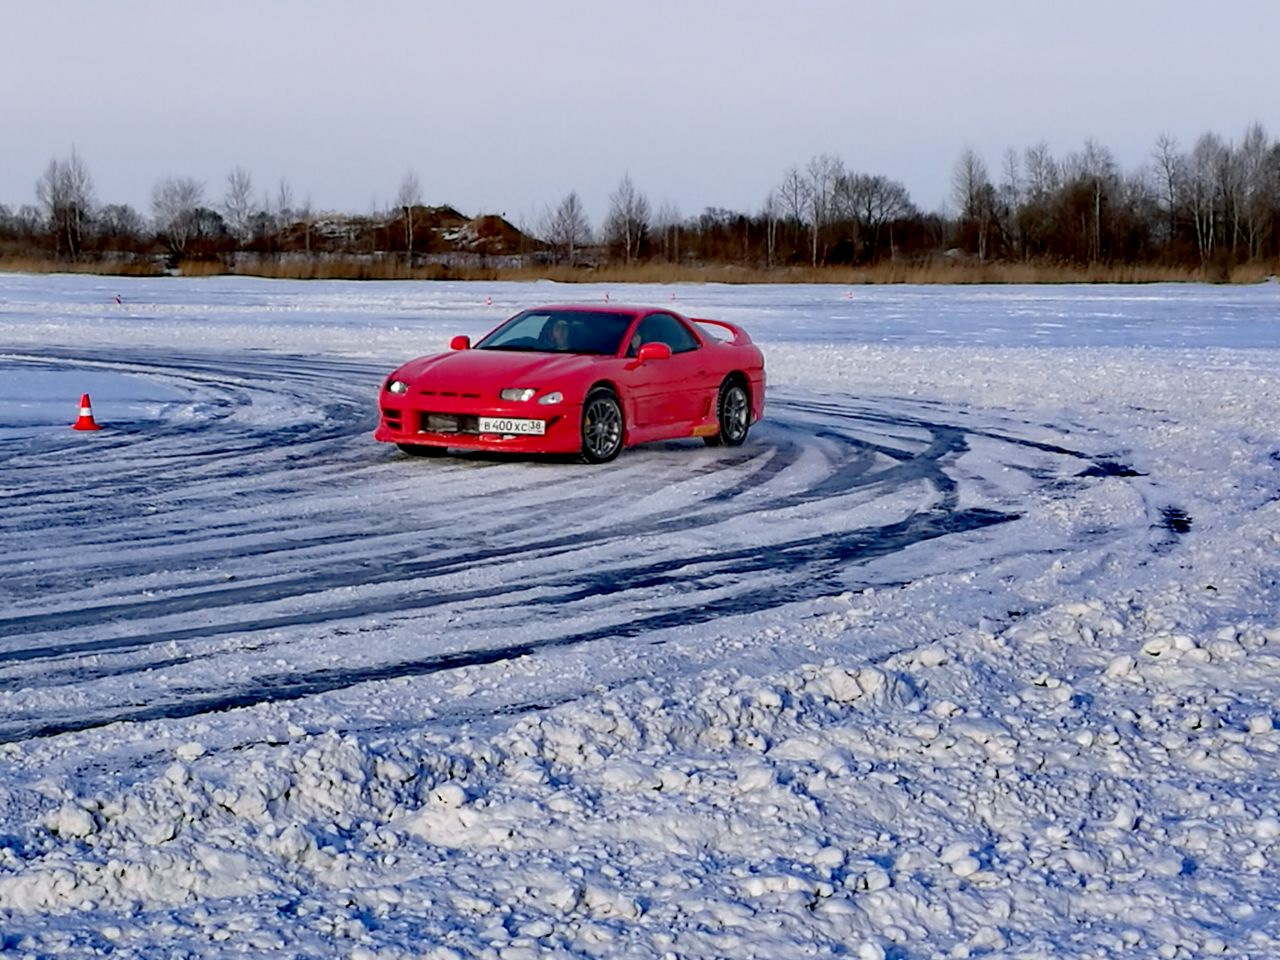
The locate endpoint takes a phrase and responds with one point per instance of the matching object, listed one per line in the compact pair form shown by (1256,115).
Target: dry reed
(932,272)
(890,272)
(109,268)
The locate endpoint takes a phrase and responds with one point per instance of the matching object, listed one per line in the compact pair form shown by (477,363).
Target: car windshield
(560,331)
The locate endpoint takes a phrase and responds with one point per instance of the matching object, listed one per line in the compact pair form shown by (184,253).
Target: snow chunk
(965,866)
(1259,724)
(755,776)
(1121,666)
(843,685)
(934,655)
(604,903)
(448,795)
(71,820)
(954,851)
(629,776)
(1267,828)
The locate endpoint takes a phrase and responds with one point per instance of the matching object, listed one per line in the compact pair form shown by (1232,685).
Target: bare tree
(174,202)
(283,206)
(65,191)
(1256,201)
(1011,168)
(1096,167)
(793,195)
(567,228)
(1042,179)
(1043,175)
(1271,176)
(823,171)
(1204,185)
(974,195)
(408,196)
(1170,172)
(628,222)
(874,202)
(771,212)
(1262,184)
(28,220)
(666,222)
(968,179)
(305,216)
(237,203)
(1010,197)
(207,224)
(117,221)
(1231,195)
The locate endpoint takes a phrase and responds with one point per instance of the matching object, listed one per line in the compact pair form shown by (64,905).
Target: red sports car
(578,379)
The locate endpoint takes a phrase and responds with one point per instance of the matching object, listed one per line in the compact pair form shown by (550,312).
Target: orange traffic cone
(86,421)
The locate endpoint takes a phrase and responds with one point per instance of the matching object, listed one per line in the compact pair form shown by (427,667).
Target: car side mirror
(460,343)
(653,351)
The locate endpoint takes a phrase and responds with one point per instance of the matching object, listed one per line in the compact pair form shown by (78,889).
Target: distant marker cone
(86,421)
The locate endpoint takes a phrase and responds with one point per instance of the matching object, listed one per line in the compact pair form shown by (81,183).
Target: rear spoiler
(740,337)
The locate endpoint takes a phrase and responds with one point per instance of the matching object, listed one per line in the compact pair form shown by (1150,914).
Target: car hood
(479,370)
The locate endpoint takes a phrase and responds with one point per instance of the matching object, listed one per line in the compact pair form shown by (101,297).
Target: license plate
(512,425)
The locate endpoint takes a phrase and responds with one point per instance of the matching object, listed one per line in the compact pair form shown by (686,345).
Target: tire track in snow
(207,550)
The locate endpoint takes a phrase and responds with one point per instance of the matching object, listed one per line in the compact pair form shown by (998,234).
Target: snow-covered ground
(973,649)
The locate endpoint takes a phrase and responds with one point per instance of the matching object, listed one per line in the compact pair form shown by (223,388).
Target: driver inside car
(557,334)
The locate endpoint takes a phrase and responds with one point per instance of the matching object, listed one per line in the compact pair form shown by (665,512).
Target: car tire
(733,414)
(421,450)
(602,426)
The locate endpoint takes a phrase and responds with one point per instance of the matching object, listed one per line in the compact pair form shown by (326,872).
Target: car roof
(622,309)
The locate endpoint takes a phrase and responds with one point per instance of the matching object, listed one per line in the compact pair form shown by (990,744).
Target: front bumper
(439,423)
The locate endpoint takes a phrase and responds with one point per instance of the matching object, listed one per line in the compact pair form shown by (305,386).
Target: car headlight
(397,387)
(518,394)
(554,397)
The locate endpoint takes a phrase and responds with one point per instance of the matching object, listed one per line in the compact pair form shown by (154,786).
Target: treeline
(1200,211)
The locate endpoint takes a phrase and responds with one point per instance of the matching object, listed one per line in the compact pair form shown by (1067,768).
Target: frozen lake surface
(972,649)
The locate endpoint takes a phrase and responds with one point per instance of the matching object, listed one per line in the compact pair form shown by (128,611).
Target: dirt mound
(488,235)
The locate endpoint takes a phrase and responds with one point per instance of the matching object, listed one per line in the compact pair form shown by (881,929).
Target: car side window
(663,328)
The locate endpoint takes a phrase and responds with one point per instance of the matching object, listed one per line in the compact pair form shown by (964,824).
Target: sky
(504,107)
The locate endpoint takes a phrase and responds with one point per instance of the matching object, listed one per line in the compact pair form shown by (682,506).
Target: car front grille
(449,393)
